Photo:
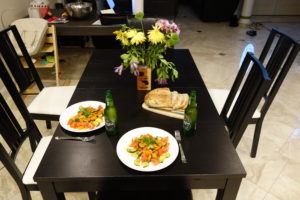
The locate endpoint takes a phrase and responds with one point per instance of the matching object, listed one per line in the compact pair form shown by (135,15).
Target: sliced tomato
(165,139)
(155,161)
(91,126)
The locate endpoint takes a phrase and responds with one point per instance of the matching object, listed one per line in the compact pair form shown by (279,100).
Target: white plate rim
(128,160)
(73,109)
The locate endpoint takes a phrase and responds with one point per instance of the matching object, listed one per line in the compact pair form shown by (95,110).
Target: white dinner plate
(128,159)
(73,110)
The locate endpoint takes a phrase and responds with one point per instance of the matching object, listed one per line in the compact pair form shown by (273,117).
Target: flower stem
(142,26)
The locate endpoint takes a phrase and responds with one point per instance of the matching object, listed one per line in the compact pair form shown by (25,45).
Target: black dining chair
(49,101)
(14,132)
(278,56)
(244,97)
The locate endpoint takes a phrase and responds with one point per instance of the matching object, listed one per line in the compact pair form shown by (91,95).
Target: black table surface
(80,166)
(99,72)
(83,27)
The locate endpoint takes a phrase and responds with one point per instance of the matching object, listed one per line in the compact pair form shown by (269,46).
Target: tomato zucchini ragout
(147,148)
(87,118)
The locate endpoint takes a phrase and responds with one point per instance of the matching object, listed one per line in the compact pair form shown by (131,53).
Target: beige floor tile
(271,197)
(8,187)
(273,136)
(291,148)
(76,196)
(292,171)
(250,191)
(204,194)
(264,170)
(286,188)
(72,64)
(271,141)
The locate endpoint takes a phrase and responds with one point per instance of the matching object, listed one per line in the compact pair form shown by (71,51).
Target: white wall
(10,10)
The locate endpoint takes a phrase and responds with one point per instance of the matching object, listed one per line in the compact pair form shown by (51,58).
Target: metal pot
(79,9)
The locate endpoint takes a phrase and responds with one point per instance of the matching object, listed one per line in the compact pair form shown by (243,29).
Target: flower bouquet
(148,49)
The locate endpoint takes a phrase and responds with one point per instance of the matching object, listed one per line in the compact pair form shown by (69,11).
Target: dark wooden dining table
(72,166)
(83,27)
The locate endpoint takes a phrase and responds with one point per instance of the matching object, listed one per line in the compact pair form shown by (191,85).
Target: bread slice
(174,98)
(163,98)
(159,98)
(185,102)
(178,103)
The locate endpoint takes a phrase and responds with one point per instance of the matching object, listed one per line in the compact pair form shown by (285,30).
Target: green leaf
(174,74)
(148,140)
(124,56)
(84,111)
(139,16)
(174,39)
(134,59)
(158,70)
(124,27)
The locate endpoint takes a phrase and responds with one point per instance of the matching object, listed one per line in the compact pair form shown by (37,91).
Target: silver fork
(178,138)
(84,139)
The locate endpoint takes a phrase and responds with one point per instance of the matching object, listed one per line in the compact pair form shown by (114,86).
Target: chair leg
(61,196)
(33,144)
(92,195)
(235,138)
(48,124)
(24,193)
(256,138)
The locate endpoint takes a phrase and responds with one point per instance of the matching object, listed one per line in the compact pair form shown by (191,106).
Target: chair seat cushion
(52,100)
(35,160)
(219,97)
(33,33)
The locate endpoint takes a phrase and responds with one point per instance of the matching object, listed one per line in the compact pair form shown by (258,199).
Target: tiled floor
(216,48)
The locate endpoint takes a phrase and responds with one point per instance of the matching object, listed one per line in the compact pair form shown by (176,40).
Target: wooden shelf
(50,46)
(47,48)
(38,63)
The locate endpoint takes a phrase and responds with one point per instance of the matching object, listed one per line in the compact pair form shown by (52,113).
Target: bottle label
(187,123)
(110,125)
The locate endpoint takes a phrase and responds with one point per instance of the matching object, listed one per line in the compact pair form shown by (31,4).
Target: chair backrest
(248,89)
(22,76)
(278,56)
(12,130)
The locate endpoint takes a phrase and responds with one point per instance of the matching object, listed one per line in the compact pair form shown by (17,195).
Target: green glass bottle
(190,115)
(110,115)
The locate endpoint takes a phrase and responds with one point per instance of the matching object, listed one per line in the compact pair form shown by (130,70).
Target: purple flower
(162,81)
(134,68)
(175,28)
(119,69)
(165,25)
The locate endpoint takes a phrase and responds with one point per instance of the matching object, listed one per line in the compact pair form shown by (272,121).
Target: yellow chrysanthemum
(122,36)
(131,33)
(125,42)
(139,38)
(155,36)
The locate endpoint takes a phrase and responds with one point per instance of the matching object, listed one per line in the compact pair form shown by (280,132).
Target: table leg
(48,192)
(230,191)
